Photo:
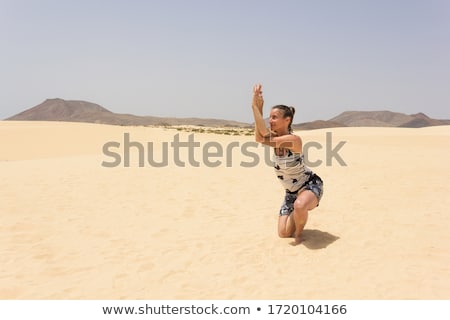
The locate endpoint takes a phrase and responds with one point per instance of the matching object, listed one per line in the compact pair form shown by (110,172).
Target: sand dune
(74,229)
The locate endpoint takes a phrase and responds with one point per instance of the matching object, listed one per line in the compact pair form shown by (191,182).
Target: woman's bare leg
(286,226)
(306,200)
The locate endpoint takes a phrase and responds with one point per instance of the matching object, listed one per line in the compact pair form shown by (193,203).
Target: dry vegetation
(230,131)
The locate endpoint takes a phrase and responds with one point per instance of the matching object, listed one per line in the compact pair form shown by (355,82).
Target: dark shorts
(314,184)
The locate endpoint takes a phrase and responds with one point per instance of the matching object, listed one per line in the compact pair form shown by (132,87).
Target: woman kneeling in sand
(303,187)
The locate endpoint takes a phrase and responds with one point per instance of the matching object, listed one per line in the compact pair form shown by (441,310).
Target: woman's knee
(300,205)
(306,201)
(284,234)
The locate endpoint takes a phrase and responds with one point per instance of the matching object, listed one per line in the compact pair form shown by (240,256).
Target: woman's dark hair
(287,112)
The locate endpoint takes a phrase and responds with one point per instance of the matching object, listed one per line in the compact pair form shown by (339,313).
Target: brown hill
(386,119)
(83,111)
(421,120)
(372,118)
(318,124)
(62,110)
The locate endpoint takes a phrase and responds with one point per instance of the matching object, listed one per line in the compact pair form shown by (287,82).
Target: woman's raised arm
(257,105)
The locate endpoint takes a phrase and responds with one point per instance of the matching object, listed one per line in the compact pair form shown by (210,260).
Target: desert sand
(72,228)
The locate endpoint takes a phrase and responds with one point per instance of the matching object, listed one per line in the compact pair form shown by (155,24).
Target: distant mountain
(386,119)
(62,110)
(82,111)
(372,118)
(420,120)
(318,124)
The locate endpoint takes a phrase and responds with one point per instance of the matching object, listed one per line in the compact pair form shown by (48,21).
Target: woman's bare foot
(297,240)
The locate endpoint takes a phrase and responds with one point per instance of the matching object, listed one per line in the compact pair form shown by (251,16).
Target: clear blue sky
(201,58)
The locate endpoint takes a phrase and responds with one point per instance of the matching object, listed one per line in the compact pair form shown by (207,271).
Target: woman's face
(277,123)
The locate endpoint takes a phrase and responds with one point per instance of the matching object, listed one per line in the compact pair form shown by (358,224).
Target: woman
(303,188)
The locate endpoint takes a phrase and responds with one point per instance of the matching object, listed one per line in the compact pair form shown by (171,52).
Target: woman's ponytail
(292,109)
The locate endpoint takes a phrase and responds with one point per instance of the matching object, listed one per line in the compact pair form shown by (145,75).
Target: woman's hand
(258,100)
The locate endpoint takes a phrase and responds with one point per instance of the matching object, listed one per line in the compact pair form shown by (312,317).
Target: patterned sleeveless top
(291,170)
